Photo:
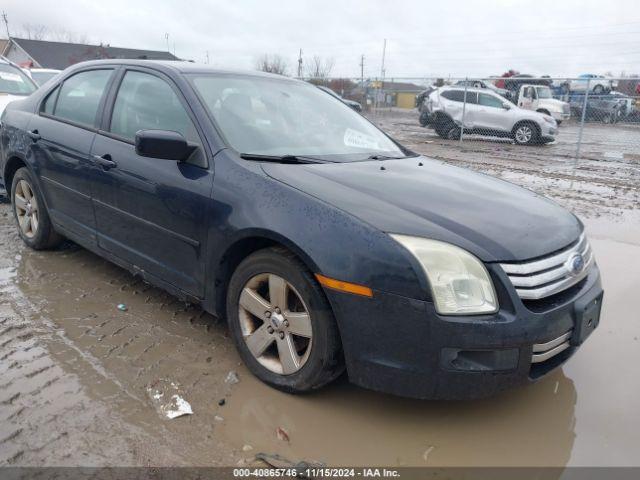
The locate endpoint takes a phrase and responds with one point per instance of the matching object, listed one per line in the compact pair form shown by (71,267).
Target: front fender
(246,202)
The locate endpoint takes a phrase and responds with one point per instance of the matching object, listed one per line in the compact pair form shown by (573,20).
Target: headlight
(548,119)
(460,283)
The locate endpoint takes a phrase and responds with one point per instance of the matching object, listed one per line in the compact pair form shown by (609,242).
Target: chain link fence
(586,117)
(574,139)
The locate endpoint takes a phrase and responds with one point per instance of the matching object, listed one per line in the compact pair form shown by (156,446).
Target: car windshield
(15,82)
(42,77)
(268,116)
(544,92)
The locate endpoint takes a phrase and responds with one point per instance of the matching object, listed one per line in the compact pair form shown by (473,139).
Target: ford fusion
(325,244)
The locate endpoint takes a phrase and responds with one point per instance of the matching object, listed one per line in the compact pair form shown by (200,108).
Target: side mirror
(162,144)
(506,106)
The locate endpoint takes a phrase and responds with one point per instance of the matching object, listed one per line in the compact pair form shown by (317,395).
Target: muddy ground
(76,372)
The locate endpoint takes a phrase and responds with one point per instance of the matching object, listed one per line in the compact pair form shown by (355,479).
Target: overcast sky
(425,38)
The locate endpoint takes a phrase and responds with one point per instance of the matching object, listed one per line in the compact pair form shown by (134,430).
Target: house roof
(60,55)
(402,87)
(3,43)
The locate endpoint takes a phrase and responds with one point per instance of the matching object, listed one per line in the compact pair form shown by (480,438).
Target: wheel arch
(544,111)
(527,122)
(240,248)
(12,165)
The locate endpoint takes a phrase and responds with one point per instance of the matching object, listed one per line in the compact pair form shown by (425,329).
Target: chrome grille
(550,275)
(545,351)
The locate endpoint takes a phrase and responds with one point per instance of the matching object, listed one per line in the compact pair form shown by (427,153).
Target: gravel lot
(76,372)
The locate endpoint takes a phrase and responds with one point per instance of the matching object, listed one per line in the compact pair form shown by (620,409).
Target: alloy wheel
(26,209)
(524,134)
(275,323)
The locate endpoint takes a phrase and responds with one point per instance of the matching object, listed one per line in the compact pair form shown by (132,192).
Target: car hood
(6,99)
(552,102)
(494,219)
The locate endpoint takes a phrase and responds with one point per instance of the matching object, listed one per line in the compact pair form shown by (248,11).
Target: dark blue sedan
(325,244)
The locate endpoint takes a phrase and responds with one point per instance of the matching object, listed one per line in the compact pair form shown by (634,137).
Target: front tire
(30,212)
(282,324)
(424,119)
(526,133)
(598,89)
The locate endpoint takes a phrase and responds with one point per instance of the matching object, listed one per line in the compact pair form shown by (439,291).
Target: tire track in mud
(74,369)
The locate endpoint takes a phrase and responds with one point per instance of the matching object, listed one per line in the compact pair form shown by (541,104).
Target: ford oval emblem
(575,264)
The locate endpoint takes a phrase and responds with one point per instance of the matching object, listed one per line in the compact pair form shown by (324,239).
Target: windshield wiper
(288,159)
(386,157)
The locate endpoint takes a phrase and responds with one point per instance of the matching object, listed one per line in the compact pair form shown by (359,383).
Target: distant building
(388,93)
(60,55)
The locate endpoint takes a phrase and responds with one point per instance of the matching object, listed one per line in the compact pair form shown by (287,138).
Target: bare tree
(67,36)
(320,68)
(43,32)
(272,64)
(34,32)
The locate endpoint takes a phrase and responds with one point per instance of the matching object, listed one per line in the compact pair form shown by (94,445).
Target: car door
(492,115)
(528,98)
(152,213)
(461,103)
(62,133)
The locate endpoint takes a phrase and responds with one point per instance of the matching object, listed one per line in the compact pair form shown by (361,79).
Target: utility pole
(384,51)
(364,91)
(6,23)
(166,37)
(380,83)
(207,53)
(300,64)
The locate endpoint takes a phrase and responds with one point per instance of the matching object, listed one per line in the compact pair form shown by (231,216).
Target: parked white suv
(598,84)
(486,113)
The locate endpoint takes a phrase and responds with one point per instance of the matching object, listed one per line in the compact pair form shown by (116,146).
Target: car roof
(180,66)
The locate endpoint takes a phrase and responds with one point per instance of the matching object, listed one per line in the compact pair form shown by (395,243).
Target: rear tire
(454,133)
(598,89)
(278,350)
(30,212)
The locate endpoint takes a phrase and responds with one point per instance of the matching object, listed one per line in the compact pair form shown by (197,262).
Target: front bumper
(559,117)
(549,130)
(402,346)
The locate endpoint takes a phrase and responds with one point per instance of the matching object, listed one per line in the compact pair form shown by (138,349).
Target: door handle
(105,161)
(34,135)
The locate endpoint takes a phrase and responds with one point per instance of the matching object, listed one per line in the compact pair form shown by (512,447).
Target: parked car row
(543,95)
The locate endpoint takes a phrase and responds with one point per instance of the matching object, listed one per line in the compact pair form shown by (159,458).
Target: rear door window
(487,100)
(80,95)
(459,96)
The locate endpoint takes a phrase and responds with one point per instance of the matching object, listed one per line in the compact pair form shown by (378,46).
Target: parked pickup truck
(540,99)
